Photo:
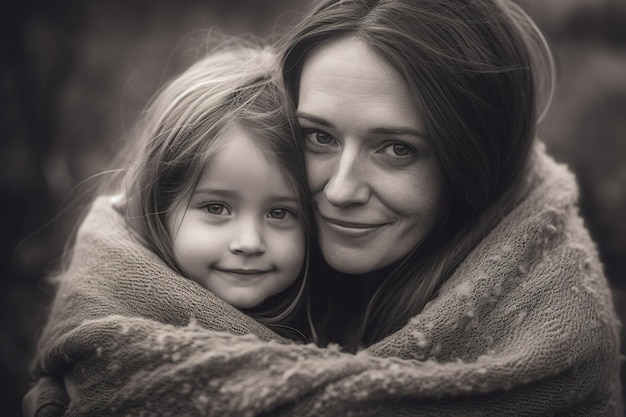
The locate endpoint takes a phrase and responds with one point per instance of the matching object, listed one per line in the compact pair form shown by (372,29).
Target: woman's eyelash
(401,150)
(309,132)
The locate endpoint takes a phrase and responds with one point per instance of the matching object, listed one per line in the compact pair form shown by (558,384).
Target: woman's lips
(350,228)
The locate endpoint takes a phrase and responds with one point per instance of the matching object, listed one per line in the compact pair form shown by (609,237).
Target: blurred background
(74,76)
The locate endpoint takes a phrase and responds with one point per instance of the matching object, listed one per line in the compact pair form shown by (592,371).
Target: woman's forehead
(346,63)
(348,80)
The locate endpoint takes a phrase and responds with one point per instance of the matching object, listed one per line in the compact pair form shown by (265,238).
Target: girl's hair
(474,69)
(178,136)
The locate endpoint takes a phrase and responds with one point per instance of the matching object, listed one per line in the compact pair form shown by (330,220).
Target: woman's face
(376,183)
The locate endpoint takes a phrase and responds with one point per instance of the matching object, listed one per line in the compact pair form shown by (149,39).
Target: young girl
(213,193)
(216,185)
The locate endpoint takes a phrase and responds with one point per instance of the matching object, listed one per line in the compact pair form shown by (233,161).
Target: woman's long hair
(478,71)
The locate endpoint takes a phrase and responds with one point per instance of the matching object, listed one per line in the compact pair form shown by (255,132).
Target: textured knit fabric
(525,326)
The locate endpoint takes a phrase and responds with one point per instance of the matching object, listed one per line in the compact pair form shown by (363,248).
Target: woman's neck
(341,303)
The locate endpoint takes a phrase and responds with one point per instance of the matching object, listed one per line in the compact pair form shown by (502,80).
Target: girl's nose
(248,241)
(348,181)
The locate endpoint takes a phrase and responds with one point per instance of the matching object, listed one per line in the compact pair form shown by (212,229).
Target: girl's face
(242,235)
(376,184)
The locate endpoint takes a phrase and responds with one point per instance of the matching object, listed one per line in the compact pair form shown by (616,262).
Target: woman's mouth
(350,228)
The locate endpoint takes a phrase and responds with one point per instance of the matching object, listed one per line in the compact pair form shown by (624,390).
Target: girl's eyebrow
(376,130)
(280,198)
(283,199)
(225,193)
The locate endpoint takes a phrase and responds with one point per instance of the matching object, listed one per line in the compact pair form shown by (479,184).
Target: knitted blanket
(525,326)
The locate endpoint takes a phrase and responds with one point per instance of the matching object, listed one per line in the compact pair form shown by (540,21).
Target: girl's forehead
(239,150)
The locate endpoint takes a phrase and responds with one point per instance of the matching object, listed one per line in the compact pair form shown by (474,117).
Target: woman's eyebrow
(397,131)
(313,119)
(382,130)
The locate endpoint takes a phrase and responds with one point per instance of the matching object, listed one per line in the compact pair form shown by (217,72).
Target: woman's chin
(350,261)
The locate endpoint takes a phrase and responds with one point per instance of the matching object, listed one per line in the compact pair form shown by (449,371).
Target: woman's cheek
(319,170)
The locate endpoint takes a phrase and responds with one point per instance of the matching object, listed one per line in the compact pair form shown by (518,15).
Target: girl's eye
(278,214)
(217,209)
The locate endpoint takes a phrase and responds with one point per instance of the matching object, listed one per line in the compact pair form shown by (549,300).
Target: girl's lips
(243,271)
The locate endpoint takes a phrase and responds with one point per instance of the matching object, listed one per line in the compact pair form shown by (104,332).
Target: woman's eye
(323,138)
(399,150)
(217,209)
(278,214)
(317,138)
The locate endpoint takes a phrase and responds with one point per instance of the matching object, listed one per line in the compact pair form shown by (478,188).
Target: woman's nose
(348,182)
(248,241)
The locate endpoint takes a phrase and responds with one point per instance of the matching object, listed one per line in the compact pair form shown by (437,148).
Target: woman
(418,133)
(458,266)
